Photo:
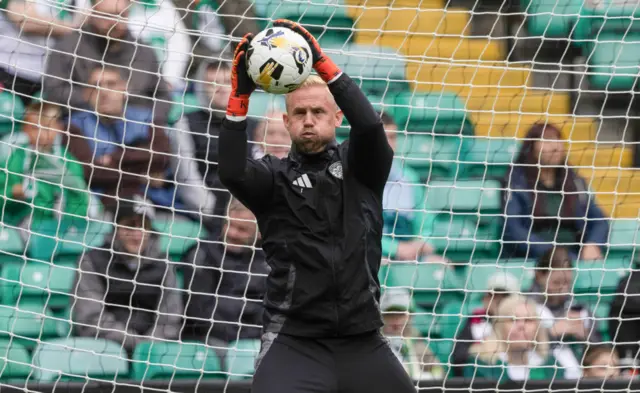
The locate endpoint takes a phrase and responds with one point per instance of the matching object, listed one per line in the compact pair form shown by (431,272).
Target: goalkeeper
(319,211)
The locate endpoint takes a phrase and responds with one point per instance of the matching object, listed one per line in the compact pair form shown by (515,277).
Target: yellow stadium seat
(591,154)
(526,101)
(437,47)
(422,4)
(402,21)
(481,74)
(516,125)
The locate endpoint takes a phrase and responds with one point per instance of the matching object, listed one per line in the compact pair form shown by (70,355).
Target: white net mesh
(514,134)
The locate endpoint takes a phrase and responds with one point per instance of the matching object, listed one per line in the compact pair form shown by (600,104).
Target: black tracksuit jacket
(323,242)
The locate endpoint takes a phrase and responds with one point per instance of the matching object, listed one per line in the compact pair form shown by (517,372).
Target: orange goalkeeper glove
(241,83)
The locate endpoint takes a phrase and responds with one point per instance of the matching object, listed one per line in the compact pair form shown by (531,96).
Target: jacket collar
(326,155)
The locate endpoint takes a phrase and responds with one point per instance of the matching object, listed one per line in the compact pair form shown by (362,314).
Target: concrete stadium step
(515,125)
(415,45)
(527,101)
(453,21)
(422,4)
(481,74)
(599,155)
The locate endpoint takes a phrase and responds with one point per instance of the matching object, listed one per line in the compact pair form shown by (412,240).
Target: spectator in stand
(547,202)
(105,40)
(624,319)
(519,348)
(601,361)
(28,29)
(121,152)
(406,343)
(568,321)
(226,282)
(197,143)
(158,23)
(125,291)
(272,137)
(479,326)
(41,179)
(405,222)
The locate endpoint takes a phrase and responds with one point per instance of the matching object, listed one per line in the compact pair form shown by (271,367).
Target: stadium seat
(326,20)
(79,358)
(440,113)
(37,282)
(11,112)
(15,362)
(433,157)
(64,242)
(28,323)
(551,18)
(595,279)
(451,318)
(183,105)
(488,158)
(474,279)
(262,103)
(463,240)
(610,40)
(377,69)
(432,283)
(240,359)
(465,196)
(624,237)
(172,360)
(178,236)
(11,245)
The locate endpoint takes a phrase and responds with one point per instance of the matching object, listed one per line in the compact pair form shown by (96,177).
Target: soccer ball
(278,60)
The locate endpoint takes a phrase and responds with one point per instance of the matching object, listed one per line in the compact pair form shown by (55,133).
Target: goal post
(513,127)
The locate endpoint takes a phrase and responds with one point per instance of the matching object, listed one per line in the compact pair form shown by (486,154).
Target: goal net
(510,214)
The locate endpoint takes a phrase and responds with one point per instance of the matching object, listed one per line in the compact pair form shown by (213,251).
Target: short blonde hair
(312,80)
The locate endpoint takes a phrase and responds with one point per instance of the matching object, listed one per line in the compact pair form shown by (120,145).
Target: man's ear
(339,116)
(285,120)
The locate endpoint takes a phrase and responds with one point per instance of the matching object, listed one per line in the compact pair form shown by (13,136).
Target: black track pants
(357,364)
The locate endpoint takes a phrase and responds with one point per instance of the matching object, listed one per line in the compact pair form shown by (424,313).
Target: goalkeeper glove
(324,66)
(241,83)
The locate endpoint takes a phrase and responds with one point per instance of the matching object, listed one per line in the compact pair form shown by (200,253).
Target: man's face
(312,117)
(240,230)
(109,18)
(131,234)
(106,92)
(556,285)
(218,86)
(395,323)
(275,137)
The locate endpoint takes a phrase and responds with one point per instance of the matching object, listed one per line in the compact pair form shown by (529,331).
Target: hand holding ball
(279,60)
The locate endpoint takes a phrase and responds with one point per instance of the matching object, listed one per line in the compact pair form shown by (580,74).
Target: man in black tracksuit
(320,215)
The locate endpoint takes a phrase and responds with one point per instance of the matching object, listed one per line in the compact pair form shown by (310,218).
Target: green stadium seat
(598,278)
(609,35)
(624,237)
(79,358)
(240,359)
(463,240)
(28,323)
(423,320)
(183,105)
(433,157)
(488,157)
(37,282)
(432,283)
(475,277)
(440,113)
(11,245)
(15,362)
(178,236)
(64,242)
(262,103)
(11,112)
(451,318)
(326,20)
(377,69)
(551,18)
(172,360)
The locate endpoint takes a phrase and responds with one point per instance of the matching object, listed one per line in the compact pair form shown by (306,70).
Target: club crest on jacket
(336,169)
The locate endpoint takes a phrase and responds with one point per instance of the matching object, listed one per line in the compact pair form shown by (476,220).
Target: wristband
(327,69)
(238,106)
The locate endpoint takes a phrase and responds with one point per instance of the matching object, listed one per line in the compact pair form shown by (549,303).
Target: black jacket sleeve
(370,155)
(248,180)
(201,278)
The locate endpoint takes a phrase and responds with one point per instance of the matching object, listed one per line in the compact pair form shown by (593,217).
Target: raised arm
(249,180)
(370,155)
